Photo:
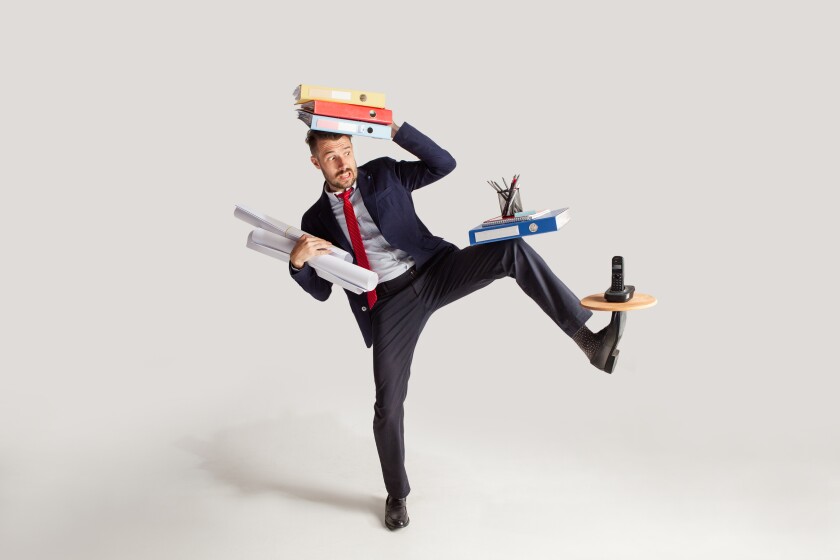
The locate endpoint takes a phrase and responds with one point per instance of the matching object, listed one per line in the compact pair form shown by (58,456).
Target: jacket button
(364,308)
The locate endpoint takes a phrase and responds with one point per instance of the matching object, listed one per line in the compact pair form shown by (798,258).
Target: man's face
(336,161)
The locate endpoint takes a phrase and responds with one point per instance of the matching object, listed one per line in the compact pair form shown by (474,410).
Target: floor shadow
(279,456)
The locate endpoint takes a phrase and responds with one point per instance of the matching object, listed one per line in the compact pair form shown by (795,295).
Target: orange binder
(347,111)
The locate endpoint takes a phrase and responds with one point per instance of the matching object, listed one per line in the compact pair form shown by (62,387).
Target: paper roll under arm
(285,258)
(268,223)
(349,275)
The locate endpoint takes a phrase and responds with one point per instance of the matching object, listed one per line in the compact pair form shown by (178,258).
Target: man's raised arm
(435,162)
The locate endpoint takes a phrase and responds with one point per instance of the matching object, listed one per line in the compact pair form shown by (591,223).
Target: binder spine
(346,126)
(307,92)
(489,234)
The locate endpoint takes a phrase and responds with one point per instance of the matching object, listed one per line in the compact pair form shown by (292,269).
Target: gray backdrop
(168,393)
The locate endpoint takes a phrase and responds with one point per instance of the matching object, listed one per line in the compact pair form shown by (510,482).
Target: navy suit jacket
(385,185)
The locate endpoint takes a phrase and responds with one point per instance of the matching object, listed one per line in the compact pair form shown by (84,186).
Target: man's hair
(315,136)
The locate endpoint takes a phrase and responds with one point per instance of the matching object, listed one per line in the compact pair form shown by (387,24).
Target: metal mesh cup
(515,207)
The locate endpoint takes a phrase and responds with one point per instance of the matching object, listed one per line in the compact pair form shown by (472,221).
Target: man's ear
(314,162)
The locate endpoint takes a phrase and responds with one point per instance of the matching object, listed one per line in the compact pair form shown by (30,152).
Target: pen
(513,189)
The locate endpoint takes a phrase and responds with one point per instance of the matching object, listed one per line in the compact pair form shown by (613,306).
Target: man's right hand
(307,247)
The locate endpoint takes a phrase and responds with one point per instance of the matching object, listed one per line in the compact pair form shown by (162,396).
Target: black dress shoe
(396,514)
(606,357)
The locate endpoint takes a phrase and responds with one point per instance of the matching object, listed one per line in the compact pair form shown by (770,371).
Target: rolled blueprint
(345,274)
(268,223)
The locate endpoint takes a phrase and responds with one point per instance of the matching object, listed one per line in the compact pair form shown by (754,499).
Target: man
(369,212)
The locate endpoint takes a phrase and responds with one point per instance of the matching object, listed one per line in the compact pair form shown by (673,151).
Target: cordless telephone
(618,292)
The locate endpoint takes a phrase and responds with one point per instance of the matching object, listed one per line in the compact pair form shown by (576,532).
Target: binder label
(343,95)
(327,124)
(497,233)
(315,92)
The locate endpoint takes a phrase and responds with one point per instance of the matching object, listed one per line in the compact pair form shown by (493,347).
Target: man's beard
(339,184)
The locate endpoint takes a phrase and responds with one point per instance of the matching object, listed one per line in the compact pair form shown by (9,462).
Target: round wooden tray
(598,303)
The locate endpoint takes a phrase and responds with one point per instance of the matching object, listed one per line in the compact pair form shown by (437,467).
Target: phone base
(620,296)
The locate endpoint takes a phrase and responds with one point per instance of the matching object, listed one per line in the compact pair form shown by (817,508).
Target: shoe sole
(621,318)
(612,360)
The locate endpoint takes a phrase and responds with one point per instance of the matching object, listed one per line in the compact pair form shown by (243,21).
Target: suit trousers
(399,318)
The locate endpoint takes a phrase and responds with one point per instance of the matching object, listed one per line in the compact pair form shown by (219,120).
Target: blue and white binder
(345,126)
(552,221)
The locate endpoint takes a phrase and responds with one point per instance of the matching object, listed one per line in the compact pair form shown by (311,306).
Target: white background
(167,393)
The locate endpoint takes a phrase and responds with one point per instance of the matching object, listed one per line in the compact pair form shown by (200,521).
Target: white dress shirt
(385,260)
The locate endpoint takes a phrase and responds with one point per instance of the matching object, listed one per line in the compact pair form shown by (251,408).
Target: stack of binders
(345,111)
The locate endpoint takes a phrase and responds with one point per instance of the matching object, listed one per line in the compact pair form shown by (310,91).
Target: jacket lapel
(364,182)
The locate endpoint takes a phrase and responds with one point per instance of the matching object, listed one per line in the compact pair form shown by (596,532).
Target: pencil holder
(515,207)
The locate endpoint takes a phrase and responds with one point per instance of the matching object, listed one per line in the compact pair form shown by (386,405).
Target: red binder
(348,111)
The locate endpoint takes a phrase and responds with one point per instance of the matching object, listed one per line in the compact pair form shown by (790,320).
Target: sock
(587,341)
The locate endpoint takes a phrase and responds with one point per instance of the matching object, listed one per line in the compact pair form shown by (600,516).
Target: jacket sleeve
(435,162)
(306,277)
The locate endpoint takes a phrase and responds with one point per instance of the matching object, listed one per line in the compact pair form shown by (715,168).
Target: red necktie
(356,238)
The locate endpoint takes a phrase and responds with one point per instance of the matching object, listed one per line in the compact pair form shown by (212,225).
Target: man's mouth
(346,175)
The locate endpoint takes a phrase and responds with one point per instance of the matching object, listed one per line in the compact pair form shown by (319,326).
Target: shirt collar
(335,194)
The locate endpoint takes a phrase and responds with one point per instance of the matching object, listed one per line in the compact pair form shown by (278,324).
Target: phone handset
(618,292)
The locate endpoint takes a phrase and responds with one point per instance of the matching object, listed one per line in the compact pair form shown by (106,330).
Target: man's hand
(394,129)
(307,247)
